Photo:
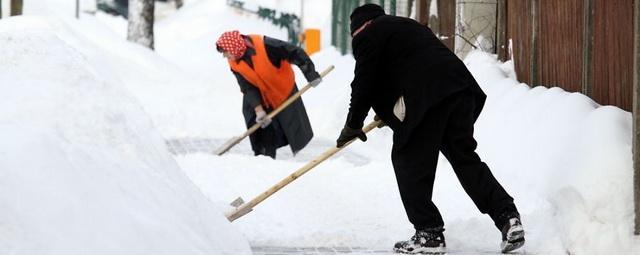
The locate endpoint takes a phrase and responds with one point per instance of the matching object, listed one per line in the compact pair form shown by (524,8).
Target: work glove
(382,124)
(348,134)
(315,82)
(263,119)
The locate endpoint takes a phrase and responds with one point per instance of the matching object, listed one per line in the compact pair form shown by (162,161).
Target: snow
(84,168)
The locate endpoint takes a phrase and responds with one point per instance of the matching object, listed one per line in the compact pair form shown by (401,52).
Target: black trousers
(447,128)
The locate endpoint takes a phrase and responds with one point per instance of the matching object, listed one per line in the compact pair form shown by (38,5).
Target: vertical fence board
(613,53)
(519,31)
(422,9)
(560,54)
(447,22)
(587,47)
(502,43)
(636,115)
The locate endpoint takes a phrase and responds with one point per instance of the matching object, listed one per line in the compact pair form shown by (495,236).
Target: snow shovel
(235,140)
(242,208)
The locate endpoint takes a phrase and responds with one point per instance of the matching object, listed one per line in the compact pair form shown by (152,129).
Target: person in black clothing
(426,95)
(262,67)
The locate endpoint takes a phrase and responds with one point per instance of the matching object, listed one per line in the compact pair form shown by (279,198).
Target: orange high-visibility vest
(275,84)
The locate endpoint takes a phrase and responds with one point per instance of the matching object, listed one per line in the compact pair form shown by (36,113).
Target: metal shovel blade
(237,203)
(240,209)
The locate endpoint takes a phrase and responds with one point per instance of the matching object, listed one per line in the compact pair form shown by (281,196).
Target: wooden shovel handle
(235,140)
(246,208)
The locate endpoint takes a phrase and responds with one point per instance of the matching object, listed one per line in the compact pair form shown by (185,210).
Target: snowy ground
(84,164)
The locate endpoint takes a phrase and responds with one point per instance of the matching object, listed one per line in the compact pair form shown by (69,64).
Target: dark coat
(397,56)
(291,126)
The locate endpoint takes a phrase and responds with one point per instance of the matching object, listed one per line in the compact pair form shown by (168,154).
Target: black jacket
(397,56)
(293,119)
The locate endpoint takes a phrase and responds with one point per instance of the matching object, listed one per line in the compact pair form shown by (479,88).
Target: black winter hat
(363,14)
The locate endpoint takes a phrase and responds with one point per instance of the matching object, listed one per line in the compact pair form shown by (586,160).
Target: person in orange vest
(262,66)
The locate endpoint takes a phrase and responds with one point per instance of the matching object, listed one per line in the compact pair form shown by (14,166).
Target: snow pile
(564,149)
(82,168)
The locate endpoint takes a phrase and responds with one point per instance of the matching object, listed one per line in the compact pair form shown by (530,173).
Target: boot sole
(422,250)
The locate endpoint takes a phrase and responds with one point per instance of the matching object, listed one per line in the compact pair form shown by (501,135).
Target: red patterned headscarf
(232,42)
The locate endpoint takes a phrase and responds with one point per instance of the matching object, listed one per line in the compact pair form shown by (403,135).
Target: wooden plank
(502,44)
(613,53)
(533,57)
(587,48)
(447,22)
(519,31)
(636,114)
(559,44)
(422,11)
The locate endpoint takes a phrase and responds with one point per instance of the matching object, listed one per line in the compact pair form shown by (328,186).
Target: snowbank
(563,151)
(82,168)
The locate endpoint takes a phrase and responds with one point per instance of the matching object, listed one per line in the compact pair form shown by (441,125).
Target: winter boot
(428,241)
(512,235)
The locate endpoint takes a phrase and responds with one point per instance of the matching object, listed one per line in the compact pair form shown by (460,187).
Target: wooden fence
(579,45)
